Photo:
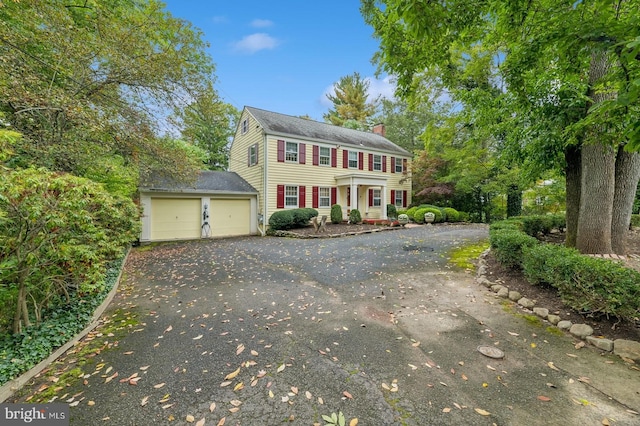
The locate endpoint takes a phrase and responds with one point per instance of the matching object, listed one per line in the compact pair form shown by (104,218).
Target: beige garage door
(230,217)
(175,218)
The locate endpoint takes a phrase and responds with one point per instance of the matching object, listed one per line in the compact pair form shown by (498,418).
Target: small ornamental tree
(355,216)
(57,233)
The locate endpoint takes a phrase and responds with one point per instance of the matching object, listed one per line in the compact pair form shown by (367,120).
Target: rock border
(625,349)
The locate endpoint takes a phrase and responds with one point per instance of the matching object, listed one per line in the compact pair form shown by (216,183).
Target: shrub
(514,224)
(635,220)
(537,224)
(451,214)
(464,216)
(354,216)
(289,219)
(336,214)
(282,219)
(508,244)
(392,212)
(411,212)
(418,215)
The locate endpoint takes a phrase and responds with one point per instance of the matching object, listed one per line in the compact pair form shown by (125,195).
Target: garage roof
(286,125)
(207,182)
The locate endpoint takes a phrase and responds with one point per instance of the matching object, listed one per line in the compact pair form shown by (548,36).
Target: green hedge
(635,220)
(584,283)
(587,284)
(451,214)
(289,219)
(508,244)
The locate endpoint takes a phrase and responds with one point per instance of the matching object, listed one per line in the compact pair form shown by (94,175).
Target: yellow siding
(325,176)
(238,161)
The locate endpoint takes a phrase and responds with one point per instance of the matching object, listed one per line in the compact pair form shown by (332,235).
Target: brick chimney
(379,129)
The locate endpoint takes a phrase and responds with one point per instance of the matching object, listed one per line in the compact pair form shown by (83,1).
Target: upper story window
(253,155)
(353,159)
(291,152)
(245,126)
(399,165)
(325,156)
(377,162)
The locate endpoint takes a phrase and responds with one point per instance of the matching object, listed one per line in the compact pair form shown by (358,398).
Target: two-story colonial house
(295,162)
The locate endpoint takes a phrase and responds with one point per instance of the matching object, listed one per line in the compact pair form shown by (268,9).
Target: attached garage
(175,218)
(218,204)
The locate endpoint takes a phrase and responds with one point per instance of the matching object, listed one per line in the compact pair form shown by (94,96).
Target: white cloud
(255,42)
(384,88)
(261,23)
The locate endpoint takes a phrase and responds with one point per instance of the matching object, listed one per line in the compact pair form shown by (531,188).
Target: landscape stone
(541,312)
(496,288)
(600,343)
(503,292)
(564,325)
(515,295)
(526,303)
(627,349)
(482,269)
(581,330)
(485,282)
(553,319)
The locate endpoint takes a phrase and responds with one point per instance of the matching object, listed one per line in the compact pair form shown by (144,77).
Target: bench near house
(295,162)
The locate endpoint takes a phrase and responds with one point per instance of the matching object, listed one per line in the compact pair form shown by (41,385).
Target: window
(324,197)
(376,198)
(399,165)
(377,163)
(253,155)
(398,198)
(291,196)
(245,126)
(353,159)
(325,156)
(291,152)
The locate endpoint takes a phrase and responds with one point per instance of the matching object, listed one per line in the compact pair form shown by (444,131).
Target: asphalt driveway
(380,327)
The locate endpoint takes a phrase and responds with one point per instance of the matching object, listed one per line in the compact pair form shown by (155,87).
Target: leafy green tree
(57,232)
(87,81)
(404,124)
(350,105)
(577,59)
(209,123)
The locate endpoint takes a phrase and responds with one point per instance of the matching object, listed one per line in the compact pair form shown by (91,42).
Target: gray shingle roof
(208,181)
(287,125)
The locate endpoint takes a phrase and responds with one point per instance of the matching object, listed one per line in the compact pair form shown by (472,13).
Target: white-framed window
(399,165)
(376,202)
(324,197)
(325,156)
(291,152)
(377,162)
(353,159)
(245,126)
(253,155)
(398,199)
(291,196)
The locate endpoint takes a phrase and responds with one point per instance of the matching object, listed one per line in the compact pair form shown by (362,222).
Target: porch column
(354,195)
(383,202)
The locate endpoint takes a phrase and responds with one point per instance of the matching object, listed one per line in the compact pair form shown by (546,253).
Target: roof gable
(287,125)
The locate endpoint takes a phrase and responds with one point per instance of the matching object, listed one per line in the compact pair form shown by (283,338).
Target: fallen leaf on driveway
(544,398)
(200,422)
(144,401)
(221,422)
(233,374)
(446,410)
(158,386)
(553,367)
(198,337)
(347,394)
(212,407)
(239,349)
(482,412)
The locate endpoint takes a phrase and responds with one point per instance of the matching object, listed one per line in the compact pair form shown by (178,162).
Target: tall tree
(403,123)
(209,123)
(533,40)
(86,81)
(350,103)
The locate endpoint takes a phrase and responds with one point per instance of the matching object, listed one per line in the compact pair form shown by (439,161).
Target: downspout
(264,185)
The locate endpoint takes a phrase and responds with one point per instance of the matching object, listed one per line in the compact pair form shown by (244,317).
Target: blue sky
(284,55)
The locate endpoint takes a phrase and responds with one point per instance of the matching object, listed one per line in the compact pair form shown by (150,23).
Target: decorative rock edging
(626,349)
(293,234)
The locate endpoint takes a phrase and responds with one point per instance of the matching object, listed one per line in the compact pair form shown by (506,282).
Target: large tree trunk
(573,170)
(627,176)
(596,199)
